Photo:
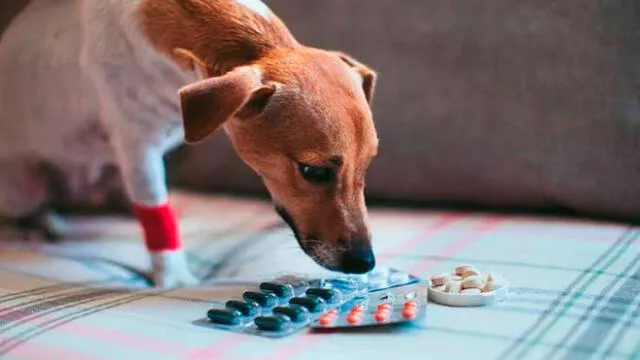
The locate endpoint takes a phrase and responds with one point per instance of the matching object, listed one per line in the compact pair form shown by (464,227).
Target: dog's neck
(222,33)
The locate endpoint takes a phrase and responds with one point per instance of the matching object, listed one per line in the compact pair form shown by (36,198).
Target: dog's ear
(208,103)
(189,61)
(369,77)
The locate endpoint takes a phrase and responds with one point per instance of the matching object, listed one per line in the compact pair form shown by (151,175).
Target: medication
(280,290)
(452,287)
(328,295)
(264,299)
(470,272)
(409,313)
(488,287)
(245,308)
(295,313)
(224,316)
(439,280)
(271,323)
(285,305)
(467,287)
(460,269)
(311,303)
(354,318)
(471,282)
(471,291)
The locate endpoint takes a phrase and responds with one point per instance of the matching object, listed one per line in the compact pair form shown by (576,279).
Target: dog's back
(40,81)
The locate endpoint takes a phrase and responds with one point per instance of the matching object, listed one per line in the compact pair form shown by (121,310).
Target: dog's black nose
(358,260)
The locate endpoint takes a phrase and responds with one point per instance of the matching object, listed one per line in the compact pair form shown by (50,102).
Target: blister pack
(290,303)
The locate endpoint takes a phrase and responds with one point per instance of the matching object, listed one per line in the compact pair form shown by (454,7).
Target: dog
(95,83)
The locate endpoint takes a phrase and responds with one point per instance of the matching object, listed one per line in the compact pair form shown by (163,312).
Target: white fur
(170,269)
(80,86)
(256,6)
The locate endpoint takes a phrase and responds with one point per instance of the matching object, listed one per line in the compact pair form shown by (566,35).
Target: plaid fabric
(574,288)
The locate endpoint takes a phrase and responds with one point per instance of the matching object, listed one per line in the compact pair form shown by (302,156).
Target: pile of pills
(466,280)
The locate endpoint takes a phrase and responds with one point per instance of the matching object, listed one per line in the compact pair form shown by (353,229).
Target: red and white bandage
(160,227)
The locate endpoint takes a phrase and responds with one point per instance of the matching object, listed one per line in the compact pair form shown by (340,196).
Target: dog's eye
(316,174)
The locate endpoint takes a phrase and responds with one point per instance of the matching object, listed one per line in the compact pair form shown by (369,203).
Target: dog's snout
(358,259)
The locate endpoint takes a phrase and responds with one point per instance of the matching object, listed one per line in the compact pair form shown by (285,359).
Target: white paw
(170,270)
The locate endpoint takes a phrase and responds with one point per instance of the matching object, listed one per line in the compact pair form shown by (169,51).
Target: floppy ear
(369,77)
(189,61)
(208,103)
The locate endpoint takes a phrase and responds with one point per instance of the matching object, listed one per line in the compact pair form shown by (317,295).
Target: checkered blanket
(574,288)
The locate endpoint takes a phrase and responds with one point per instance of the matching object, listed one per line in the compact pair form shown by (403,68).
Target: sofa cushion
(485,102)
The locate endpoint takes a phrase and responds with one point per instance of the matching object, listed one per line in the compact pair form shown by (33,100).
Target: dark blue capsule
(246,308)
(311,303)
(271,323)
(296,313)
(328,295)
(280,290)
(264,299)
(224,316)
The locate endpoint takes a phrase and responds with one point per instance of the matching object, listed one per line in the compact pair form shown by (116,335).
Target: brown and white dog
(93,82)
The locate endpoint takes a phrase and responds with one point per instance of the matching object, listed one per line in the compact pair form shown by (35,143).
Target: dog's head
(302,120)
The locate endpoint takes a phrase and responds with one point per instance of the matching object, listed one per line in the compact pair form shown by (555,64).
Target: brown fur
(219,32)
(283,104)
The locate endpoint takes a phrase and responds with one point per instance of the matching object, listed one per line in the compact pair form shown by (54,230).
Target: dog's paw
(170,270)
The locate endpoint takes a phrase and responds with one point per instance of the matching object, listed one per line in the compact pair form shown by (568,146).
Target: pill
(353,319)
(271,323)
(491,276)
(264,299)
(295,313)
(280,290)
(460,269)
(381,315)
(311,303)
(497,279)
(333,312)
(409,313)
(471,282)
(438,280)
(455,278)
(441,288)
(410,304)
(488,286)
(384,307)
(328,295)
(326,320)
(357,309)
(471,291)
(245,308)
(330,314)
(453,287)
(470,272)
(224,316)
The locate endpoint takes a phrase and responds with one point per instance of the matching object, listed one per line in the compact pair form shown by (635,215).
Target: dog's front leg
(143,172)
